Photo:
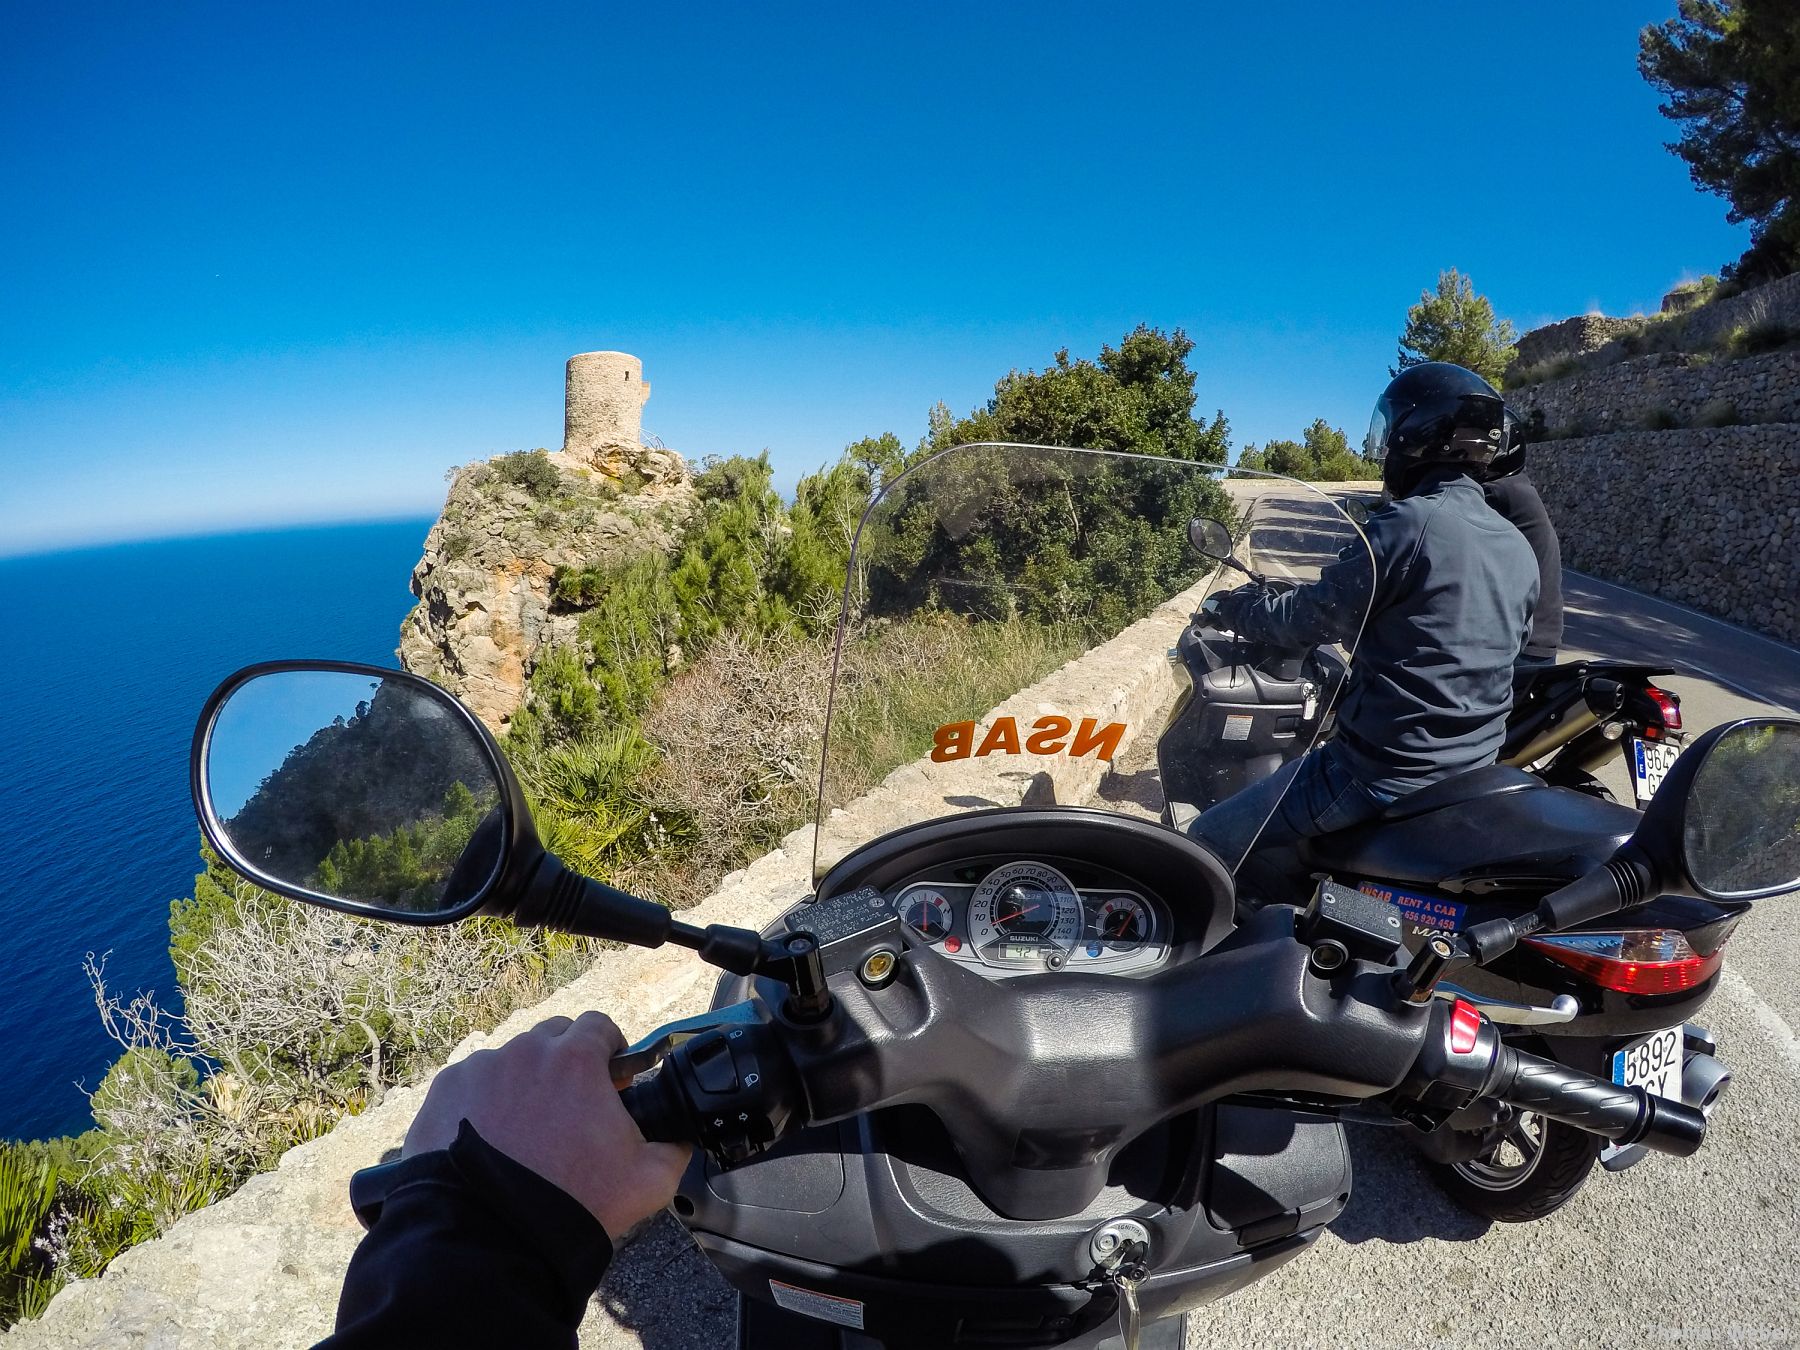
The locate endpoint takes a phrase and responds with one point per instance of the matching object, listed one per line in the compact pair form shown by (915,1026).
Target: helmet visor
(1381,421)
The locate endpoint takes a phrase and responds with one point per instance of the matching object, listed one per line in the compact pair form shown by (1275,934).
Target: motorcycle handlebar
(656,1106)
(1628,1115)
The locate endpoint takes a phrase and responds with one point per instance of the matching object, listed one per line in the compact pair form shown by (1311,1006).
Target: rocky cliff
(485,612)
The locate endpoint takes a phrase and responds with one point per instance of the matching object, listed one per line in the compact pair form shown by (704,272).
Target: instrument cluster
(1028,916)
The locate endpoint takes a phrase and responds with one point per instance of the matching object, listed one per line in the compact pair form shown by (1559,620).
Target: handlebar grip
(1626,1114)
(658,1108)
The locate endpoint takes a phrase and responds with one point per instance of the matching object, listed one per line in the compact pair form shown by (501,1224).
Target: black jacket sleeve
(471,1248)
(1331,609)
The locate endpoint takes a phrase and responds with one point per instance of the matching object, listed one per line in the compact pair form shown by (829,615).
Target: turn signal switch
(726,1091)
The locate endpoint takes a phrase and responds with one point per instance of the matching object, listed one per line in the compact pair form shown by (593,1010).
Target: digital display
(1021,951)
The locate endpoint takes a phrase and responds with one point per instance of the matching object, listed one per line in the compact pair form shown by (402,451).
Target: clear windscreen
(1009,636)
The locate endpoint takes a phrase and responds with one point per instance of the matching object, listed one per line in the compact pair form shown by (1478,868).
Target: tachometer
(1025,914)
(1119,921)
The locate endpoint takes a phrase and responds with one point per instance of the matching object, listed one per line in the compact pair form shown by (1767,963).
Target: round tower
(604,401)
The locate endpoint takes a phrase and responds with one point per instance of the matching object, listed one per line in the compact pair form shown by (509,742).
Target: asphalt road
(1702,1251)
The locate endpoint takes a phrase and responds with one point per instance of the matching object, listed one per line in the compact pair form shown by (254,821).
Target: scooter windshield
(1033,626)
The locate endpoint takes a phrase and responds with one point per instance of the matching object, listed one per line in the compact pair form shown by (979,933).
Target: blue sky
(270,264)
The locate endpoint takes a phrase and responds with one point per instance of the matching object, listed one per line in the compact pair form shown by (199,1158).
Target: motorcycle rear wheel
(1533,1171)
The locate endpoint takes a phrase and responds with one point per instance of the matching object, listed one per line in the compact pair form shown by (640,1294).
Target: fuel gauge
(1121,922)
(927,913)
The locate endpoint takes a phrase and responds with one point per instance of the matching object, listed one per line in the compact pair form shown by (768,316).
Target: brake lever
(647,1053)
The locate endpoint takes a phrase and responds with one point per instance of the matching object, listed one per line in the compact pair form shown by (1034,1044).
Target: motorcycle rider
(520,1168)
(1516,497)
(1448,604)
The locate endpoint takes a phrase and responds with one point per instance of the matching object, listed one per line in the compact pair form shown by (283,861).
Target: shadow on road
(1627,626)
(1392,1198)
(661,1287)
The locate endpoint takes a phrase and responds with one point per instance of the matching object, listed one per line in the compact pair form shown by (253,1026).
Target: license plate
(1653,1063)
(1650,760)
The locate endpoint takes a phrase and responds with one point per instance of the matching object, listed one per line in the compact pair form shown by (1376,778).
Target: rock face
(484,614)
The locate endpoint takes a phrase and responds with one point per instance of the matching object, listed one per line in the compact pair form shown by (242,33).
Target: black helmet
(1437,413)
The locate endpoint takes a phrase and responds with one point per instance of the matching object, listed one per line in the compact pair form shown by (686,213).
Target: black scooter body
(868,1234)
(1266,712)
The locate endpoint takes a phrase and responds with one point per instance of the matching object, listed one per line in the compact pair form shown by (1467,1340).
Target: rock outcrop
(485,613)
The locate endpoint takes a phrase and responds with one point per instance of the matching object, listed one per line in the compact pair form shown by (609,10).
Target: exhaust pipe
(1578,720)
(1703,1081)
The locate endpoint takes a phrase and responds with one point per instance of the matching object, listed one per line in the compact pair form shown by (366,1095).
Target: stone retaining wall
(1570,337)
(263,1266)
(1598,340)
(1705,517)
(1668,385)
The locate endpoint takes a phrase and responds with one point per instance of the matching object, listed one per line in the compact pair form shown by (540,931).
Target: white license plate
(1653,1063)
(1650,760)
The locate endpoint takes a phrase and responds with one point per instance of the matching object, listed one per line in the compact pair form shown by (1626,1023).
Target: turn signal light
(1638,961)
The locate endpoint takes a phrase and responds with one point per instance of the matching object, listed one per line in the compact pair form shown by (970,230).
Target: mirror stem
(560,898)
(1625,880)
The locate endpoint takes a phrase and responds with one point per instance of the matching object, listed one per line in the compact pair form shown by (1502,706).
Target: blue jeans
(1314,794)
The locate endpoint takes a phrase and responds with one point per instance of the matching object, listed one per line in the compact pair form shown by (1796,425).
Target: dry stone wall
(1711,324)
(1570,337)
(1597,340)
(1669,386)
(1708,517)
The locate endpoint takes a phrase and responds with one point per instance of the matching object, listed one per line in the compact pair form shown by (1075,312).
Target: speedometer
(1025,914)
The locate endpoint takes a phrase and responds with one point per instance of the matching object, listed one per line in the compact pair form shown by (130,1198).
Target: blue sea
(107,655)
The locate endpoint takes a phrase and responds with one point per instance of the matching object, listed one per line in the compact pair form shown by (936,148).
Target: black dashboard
(1030,890)
(1013,916)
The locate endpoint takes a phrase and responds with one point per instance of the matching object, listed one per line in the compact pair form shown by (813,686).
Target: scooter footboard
(870,1227)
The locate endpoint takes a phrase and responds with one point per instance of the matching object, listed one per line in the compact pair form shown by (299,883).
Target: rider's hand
(546,1100)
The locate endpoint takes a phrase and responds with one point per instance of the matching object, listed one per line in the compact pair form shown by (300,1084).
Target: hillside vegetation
(672,740)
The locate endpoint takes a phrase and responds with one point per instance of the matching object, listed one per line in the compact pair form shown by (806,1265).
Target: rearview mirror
(367,790)
(1724,824)
(1740,836)
(1210,538)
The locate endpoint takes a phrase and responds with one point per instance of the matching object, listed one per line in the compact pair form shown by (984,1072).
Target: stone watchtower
(604,403)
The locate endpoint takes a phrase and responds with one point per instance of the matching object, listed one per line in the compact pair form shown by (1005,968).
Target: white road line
(1781,647)
(1766,1016)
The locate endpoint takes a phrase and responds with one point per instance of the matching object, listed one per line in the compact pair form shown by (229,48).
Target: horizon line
(223,530)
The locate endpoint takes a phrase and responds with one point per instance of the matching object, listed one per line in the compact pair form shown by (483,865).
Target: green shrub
(1767,335)
(1661,419)
(1690,295)
(1562,367)
(529,469)
(28,1186)
(1342,468)
(1719,413)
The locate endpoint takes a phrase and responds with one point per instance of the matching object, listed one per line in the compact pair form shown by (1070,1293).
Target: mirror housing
(524,883)
(1693,831)
(1210,538)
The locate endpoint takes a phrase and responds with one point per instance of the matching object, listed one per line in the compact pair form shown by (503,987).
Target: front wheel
(1533,1170)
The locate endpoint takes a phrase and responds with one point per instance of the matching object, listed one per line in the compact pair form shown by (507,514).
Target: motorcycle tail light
(1669,705)
(1636,961)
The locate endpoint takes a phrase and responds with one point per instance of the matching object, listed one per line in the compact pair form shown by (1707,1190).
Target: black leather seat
(1491,780)
(1486,823)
